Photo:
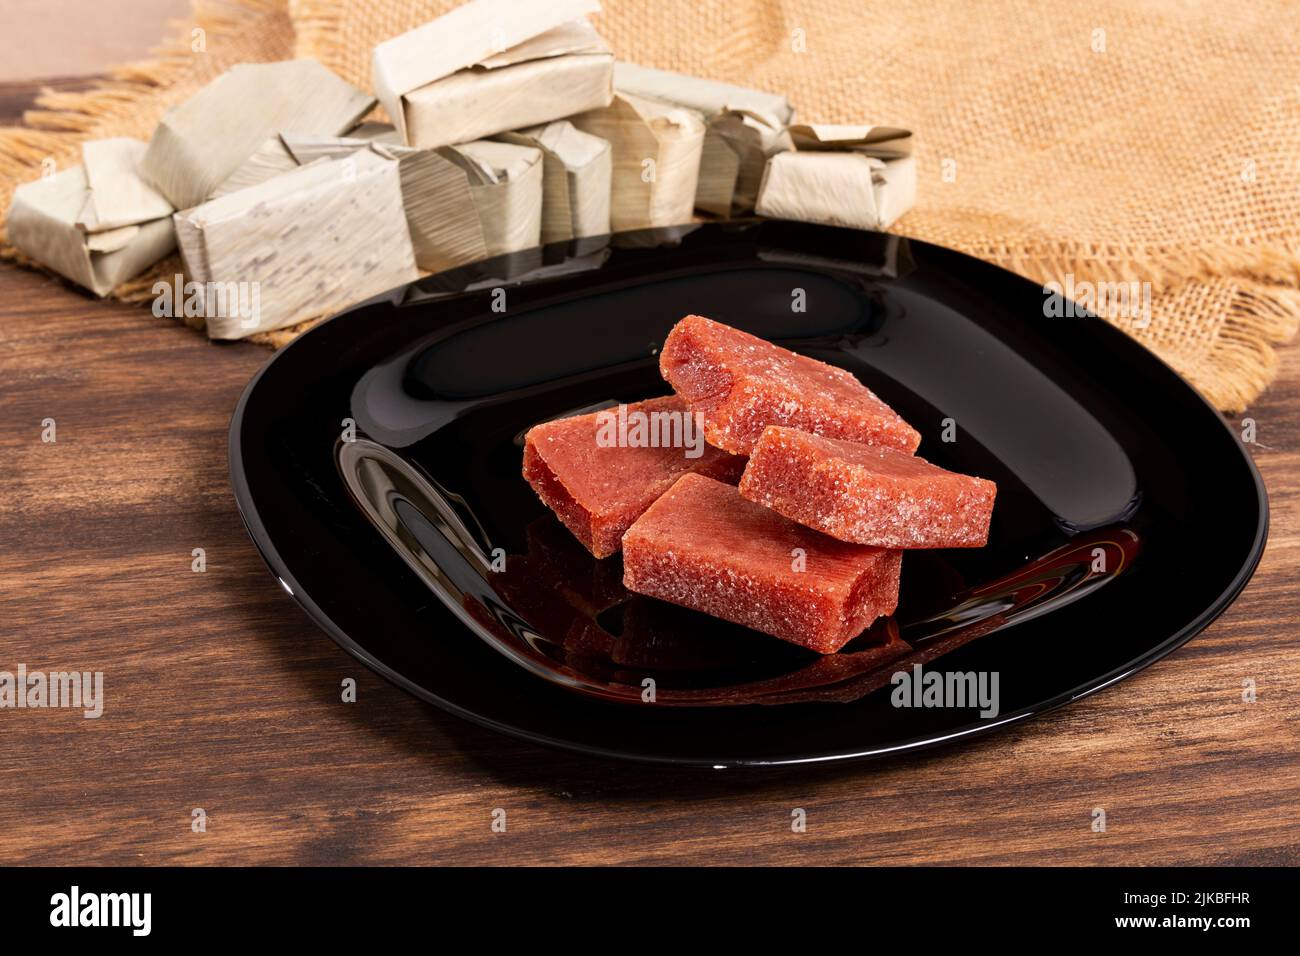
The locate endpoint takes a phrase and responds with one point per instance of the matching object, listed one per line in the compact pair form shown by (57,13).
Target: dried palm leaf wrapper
(506,189)
(118,194)
(863,177)
(745,127)
(447,226)
(837,189)
(98,224)
(883,142)
(301,245)
(709,97)
(283,153)
(440,213)
(490,66)
(306,148)
(376,132)
(656,159)
(576,169)
(201,142)
(444,222)
(465,203)
(736,149)
(270,159)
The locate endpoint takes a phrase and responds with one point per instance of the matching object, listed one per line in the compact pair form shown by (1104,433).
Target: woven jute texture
(1075,142)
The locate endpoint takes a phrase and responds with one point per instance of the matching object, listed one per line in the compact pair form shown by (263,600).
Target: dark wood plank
(221,695)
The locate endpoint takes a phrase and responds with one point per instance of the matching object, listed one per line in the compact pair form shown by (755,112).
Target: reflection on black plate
(1128,515)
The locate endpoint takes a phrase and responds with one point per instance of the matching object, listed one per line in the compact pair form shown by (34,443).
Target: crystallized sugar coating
(703,546)
(867,494)
(742,384)
(599,490)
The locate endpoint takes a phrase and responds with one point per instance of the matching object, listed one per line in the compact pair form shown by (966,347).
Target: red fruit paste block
(599,472)
(703,546)
(867,494)
(742,384)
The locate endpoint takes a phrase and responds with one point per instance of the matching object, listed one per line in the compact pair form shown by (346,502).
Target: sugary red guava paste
(598,476)
(867,494)
(703,546)
(742,384)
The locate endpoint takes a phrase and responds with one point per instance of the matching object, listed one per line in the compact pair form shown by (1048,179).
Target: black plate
(1128,514)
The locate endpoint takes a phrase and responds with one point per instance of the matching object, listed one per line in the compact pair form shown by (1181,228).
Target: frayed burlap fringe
(986,87)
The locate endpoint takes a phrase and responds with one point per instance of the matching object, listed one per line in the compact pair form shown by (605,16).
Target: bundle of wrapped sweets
(509,125)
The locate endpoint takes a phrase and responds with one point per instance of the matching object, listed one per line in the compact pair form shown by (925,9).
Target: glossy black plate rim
(275,563)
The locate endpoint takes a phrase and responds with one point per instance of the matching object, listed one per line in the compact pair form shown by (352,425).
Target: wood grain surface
(221,695)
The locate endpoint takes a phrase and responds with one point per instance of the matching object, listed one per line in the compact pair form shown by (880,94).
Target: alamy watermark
(208,300)
(76,908)
(620,428)
(956,689)
(1110,300)
(38,690)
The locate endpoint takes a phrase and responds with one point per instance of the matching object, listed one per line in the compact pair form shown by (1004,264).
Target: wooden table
(221,695)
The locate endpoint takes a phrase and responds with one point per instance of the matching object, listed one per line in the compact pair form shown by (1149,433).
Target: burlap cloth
(1107,141)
